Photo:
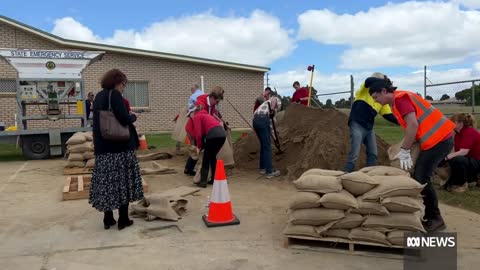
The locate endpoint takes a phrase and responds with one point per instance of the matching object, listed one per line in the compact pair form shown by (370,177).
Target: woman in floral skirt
(116,179)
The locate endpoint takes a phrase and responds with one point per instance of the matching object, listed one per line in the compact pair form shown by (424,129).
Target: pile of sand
(310,138)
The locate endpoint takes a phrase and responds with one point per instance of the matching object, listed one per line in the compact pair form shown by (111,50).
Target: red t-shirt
(199,125)
(203,100)
(468,138)
(300,93)
(405,106)
(127,103)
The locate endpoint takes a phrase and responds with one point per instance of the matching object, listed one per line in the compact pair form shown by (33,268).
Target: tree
(329,103)
(445,97)
(428,98)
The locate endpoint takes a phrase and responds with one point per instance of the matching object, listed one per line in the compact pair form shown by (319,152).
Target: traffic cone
(143,143)
(220,212)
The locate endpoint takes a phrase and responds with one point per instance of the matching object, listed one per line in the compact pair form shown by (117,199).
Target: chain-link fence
(454,96)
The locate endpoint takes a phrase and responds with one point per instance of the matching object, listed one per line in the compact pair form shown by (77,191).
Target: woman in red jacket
(208,135)
(465,161)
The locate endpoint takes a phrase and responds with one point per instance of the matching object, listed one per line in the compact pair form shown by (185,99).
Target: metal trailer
(49,79)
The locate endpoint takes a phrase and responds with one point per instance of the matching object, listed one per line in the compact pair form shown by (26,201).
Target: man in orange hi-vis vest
(425,124)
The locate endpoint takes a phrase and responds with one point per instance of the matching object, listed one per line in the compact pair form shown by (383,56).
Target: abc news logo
(431,242)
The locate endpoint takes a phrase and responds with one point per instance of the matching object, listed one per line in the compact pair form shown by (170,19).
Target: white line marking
(13,176)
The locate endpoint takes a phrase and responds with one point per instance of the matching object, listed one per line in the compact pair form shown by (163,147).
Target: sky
(341,38)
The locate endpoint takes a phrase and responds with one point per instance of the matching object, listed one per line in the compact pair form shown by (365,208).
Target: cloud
(258,39)
(473,4)
(405,34)
(69,28)
(340,82)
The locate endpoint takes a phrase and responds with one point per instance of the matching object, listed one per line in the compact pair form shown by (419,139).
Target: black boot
(123,220)
(434,224)
(108,219)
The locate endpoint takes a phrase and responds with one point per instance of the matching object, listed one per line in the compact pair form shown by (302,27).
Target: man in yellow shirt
(361,120)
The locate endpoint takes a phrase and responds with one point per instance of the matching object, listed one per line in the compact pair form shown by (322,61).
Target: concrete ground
(40,231)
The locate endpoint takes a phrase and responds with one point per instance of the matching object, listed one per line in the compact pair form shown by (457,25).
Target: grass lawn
(469,200)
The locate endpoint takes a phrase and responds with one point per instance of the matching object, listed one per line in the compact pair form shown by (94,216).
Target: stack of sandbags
(80,151)
(376,204)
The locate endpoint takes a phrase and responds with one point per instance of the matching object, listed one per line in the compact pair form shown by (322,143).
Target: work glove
(405,158)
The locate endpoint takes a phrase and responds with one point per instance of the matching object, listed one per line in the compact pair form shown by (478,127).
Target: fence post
(473,96)
(424,82)
(352,87)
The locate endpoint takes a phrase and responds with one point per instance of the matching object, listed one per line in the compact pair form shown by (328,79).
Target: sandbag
(77,138)
(340,233)
(384,171)
(350,221)
(323,228)
(342,200)
(80,148)
(156,206)
(397,237)
(315,216)
(318,183)
(75,157)
(403,204)
(400,221)
(394,186)
(75,164)
(226,152)
(370,208)
(90,163)
(198,176)
(322,172)
(88,135)
(395,149)
(304,200)
(179,134)
(88,155)
(358,183)
(359,234)
(306,230)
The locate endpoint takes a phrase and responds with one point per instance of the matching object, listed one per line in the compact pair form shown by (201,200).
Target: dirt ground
(40,231)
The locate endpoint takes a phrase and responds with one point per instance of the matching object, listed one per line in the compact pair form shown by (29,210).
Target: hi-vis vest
(433,126)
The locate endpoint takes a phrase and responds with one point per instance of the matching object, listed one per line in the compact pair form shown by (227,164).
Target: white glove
(405,158)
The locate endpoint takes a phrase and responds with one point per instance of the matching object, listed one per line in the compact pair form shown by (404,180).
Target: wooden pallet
(78,187)
(77,171)
(349,247)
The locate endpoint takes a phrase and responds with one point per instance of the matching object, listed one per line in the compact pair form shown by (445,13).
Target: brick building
(159,82)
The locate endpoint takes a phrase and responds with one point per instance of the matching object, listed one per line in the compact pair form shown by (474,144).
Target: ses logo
(431,242)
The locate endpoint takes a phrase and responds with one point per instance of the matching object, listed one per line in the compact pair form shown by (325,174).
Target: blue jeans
(359,135)
(261,125)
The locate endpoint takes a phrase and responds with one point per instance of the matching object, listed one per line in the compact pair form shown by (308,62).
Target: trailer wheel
(36,146)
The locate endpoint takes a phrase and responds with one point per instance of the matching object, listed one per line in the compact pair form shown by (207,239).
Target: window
(137,94)
(8,86)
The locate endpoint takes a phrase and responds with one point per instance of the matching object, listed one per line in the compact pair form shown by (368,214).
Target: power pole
(267,79)
(424,81)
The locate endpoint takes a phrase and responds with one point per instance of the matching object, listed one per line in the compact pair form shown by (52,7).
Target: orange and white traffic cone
(143,143)
(220,212)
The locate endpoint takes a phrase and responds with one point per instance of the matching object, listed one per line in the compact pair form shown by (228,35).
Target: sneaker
(262,171)
(435,224)
(274,173)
